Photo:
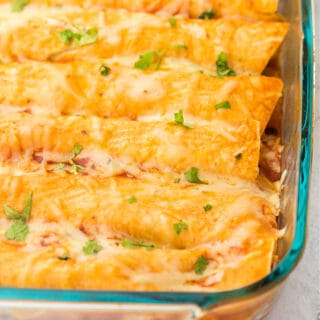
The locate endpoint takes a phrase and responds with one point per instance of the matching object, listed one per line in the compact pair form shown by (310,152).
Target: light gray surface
(300,298)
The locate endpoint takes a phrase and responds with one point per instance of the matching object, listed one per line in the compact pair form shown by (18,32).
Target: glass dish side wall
(251,302)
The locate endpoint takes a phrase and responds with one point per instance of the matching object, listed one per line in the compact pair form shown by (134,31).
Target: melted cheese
(142,32)
(103,203)
(78,88)
(193,8)
(146,146)
(66,213)
(46,107)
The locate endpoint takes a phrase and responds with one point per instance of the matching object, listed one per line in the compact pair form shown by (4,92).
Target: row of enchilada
(130,145)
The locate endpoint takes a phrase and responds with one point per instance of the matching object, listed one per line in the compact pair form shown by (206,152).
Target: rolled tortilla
(113,147)
(212,214)
(249,46)
(78,88)
(187,8)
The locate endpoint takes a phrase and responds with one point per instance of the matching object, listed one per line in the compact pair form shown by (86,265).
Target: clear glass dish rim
(281,271)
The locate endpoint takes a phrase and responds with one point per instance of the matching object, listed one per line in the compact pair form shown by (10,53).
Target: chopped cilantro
(201,265)
(64,257)
(177,180)
(75,168)
(77,148)
(86,36)
(207,207)
(182,46)
(192,176)
(18,231)
(13,214)
(148,60)
(179,119)
(91,247)
(130,244)
(132,199)
(66,36)
(104,70)
(18,5)
(207,15)
(222,66)
(178,227)
(59,166)
(173,22)
(223,105)
(81,37)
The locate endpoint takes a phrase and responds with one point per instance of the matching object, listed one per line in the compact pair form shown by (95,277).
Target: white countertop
(300,298)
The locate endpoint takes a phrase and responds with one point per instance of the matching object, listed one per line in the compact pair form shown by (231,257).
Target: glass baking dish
(253,301)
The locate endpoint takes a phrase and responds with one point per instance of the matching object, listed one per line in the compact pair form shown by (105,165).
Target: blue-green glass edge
(206,300)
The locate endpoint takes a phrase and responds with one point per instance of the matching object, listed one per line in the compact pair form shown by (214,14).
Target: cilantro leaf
(130,244)
(82,37)
(207,207)
(201,265)
(66,36)
(178,227)
(177,180)
(59,166)
(75,168)
(18,231)
(179,119)
(13,214)
(192,176)
(182,46)
(77,148)
(104,70)
(132,199)
(64,257)
(173,22)
(145,61)
(18,5)
(207,15)
(148,60)
(222,66)
(91,247)
(223,105)
(27,207)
